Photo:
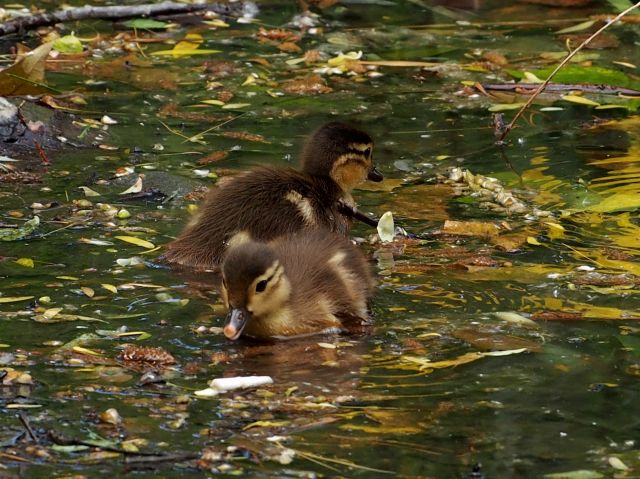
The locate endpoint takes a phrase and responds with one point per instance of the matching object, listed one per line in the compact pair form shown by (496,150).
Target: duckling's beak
(375,175)
(236,321)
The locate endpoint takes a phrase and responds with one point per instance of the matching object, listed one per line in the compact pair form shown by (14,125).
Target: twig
(352,212)
(109,13)
(530,87)
(544,84)
(25,422)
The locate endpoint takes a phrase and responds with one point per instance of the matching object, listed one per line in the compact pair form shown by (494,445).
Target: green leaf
(579,74)
(505,107)
(10,234)
(579,474)
(68,44)
(145,23)
(620,5)
(577,28)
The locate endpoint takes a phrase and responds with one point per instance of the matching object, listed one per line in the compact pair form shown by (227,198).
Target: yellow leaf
(70,278)
(213,102)
(136,241)
(235,106)
(579,99)
(555,230)
(81,350)
(109,287)
(13,299)
(216,23)
(88,291)
(26,262)
(51,313)
(533,241)
(250,80)
(620,201)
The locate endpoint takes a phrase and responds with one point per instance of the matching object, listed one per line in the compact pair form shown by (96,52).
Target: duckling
(310,282)
(266,202)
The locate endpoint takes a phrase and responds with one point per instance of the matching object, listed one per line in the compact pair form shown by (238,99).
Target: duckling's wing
(261,204)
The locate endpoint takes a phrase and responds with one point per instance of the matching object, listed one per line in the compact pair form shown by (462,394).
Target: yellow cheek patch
(350,175)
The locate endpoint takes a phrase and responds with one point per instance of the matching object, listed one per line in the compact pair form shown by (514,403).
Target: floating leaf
(136,241)
(26,77)
(110,287)
(235,106)
(15,234)
(81,350)
(579,99)
(88,291)
(135,188)
(68,44)
(145,24)
(578,474)
(88,191)
(617,202)
(533,241)
(14,299)
(26,262)
(577,28)
(95,242)
(505,107)
(386,227)
(51,313)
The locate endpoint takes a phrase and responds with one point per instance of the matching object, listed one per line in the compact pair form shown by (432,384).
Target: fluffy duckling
(296,285)
(266,202)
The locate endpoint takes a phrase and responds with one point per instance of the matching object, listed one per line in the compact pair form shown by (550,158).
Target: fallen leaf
(14,299)
(26,262)
(136,241)
(135,188)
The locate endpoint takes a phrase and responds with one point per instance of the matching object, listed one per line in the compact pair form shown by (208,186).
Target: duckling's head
(254,288)
(341,152)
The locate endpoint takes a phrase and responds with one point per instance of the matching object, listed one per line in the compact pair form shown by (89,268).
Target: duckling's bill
(236,322)
(375,175)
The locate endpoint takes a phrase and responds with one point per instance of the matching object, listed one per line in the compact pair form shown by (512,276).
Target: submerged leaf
(11,234)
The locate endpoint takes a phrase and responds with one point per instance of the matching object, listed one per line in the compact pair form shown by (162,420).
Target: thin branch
(110,13)
(530,87)
(568,58)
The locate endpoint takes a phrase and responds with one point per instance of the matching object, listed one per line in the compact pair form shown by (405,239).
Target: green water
(362,408)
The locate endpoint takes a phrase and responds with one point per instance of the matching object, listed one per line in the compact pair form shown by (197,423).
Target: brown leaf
(556,316)
(289,47)
(602,41)
(496,58)
(25,77)
(470,228)
(489,341)
(149,355)
(276,35)
(244,136)
(213,157)
(311,85)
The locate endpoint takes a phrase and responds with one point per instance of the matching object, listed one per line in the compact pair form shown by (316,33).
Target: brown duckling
(266,202)
(301,284)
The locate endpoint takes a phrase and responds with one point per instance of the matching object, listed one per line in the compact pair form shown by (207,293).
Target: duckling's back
(329,277)
(261,204)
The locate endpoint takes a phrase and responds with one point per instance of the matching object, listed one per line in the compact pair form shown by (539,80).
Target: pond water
(448,379)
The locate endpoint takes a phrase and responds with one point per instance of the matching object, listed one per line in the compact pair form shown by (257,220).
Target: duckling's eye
(261,286)
(367,153)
